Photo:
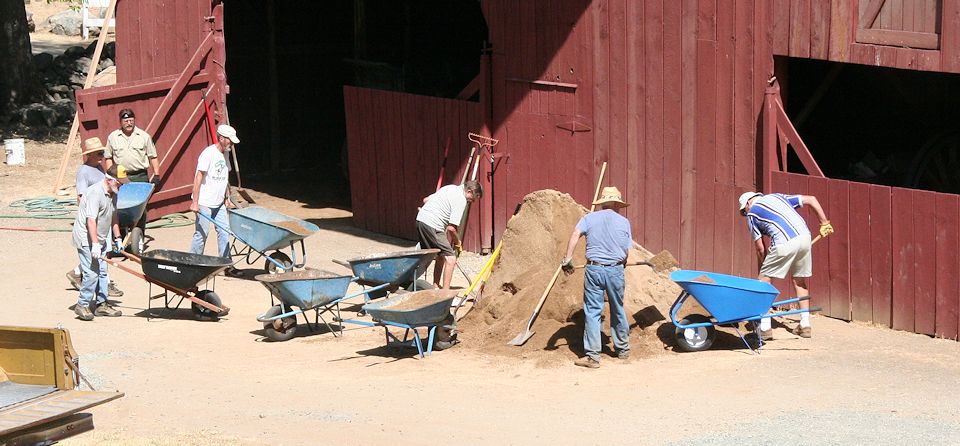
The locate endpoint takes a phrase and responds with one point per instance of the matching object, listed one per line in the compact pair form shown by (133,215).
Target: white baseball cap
(229,132)
(746,196)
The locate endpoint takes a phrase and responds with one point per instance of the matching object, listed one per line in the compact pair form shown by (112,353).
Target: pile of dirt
(534,243)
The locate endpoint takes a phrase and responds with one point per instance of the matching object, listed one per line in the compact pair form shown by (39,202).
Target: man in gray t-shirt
(437,224)
(96,219)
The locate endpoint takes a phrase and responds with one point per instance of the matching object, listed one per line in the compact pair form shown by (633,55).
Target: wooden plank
(688,68)
(820,283)
(903,259)
(601,83)
(931,16)
(707,20)
(617,170)
(896,14)
(654,93)
(881,256)
(635,147)
(354,136)
(909,9)
(724,195)
(869,13)
(706,147)
(820,29)
(841,26)
(839,250)
(863,54)
(925,262)
(745,116)
(861,293)
(128,42)
(885,20)
(947,279)
(780,27)
(672,146)
(950,37)
(906,39)
(800,28)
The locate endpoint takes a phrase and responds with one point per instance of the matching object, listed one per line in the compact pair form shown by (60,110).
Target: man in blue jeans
(211,192)
(608,243)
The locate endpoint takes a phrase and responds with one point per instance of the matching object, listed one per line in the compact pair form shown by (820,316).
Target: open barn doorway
(287,63)
(876,125)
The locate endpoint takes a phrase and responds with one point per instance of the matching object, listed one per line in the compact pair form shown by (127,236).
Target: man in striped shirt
(775,216)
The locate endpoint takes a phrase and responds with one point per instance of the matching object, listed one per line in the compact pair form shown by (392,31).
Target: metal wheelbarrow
(410,311)
(262,230)
(308,289)
(729,300)
(180,273)
(132,201)
(395,269)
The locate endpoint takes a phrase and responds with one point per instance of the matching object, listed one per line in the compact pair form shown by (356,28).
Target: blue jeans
(219,215)
(94,282)
(598,279)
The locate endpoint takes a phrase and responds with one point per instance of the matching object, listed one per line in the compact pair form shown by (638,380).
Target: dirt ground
(190,382)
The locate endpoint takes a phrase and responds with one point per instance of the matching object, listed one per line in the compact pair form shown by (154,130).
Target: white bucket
(14,151)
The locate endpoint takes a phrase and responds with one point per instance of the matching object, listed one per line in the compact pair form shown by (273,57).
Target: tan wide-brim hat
(92,145)
(611,195)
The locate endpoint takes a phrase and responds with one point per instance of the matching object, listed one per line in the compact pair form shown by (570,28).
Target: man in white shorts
(775,216)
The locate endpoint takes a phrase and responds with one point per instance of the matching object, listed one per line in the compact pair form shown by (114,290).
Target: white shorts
(792,257)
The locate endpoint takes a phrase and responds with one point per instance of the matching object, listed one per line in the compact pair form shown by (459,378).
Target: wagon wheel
(284,260)
(282,329)
(204,314)
(695,339)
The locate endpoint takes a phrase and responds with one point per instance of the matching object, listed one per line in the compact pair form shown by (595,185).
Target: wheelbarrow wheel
(279,330)
(202,313)
(136,241)
(695,339)
(280,257)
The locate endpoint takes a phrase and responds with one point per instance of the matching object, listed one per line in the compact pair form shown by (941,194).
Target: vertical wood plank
(820,283)
(903,259)
(706,147)
(861,293)
(800,28)
(925,262)
(745,118)
(841,29)
(688,68)
(947,279)
(617,152)
(820,29)
(950,36)
(636,129)
(896,13)
(909,7)
(601,82)
(724,212)
(881,258)
(839,250)
(780,27)
(672,122)
(654,165)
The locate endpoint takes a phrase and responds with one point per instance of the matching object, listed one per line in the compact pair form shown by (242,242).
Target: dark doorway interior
(877,125)
(287,63)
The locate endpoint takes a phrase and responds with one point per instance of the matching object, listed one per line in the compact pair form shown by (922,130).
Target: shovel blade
(521,338)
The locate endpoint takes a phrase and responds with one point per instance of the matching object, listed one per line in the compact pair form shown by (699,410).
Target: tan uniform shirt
(133,152)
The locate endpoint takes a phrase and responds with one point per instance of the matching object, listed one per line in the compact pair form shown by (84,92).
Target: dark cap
(127,113)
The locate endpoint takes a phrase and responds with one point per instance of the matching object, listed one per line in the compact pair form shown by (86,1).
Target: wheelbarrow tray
(264,230)
(182,270)
(727,298)
(132,200)
(308,288)
(396,268)
(416,309)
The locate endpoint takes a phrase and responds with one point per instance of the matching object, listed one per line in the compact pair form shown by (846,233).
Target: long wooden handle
(596,192)
(543,297)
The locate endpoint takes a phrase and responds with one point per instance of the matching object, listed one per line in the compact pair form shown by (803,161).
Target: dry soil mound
(533,247)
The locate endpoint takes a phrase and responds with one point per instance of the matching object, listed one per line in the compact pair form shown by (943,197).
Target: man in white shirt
(211,192)
(437,224)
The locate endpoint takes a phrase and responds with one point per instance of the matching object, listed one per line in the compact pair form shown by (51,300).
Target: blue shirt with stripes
(775,216)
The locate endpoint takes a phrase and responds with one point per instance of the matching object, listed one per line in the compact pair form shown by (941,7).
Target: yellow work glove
(826,229)
(458,247)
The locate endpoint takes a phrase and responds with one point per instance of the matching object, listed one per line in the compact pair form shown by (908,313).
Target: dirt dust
(533,247)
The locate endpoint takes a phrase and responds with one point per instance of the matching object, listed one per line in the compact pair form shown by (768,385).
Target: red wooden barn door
(904,24)
(169,107)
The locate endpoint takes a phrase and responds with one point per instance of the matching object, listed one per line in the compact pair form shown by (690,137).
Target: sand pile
(533,247)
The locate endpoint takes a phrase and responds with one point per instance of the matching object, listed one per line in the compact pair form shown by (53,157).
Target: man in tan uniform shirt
(132,148)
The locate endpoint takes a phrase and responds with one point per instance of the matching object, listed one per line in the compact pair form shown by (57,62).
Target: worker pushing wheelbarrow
(263,230)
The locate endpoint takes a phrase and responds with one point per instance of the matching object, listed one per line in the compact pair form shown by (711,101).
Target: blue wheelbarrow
(729,300)
(263,230)
(132,201)
(410,311)
(396,269)
(308,289)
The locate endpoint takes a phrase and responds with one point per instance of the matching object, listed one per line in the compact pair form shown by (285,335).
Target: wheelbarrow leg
(416,339)
(744,339)
(433,334)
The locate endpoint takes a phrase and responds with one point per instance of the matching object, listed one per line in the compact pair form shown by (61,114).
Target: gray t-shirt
(444,207)
(87,175)
(95,203)
(608,236)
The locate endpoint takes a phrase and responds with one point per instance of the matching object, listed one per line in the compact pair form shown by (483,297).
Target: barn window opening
(287,64)
(876,125)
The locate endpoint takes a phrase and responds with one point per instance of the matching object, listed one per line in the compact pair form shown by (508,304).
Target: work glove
(826,228)
(567,266)
(155,180)
(96,250)
(117,245)
(459,248)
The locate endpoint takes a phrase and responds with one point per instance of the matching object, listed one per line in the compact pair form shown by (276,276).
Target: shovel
(527,334)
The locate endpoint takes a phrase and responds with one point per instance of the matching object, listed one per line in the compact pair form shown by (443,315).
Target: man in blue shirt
(608,242)
(775,216)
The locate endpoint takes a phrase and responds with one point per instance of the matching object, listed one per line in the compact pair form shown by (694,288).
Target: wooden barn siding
(671,91)
(156,38)
(826,30)
(396,145)
(892,260)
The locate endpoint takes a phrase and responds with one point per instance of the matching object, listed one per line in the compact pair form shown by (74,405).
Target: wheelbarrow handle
(628,264)
(343,264)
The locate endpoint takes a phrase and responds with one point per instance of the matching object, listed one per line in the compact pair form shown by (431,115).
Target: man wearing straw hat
(608,242)
(90,172)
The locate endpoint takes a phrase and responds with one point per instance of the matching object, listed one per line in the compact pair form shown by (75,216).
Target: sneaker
(623,355)
(113,291)
(587,362)
(107,310)
(74,279)
(803,332)
(83,313)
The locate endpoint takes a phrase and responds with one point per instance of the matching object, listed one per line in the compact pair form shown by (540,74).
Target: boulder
(73,52)
(38,115)
(42,61)
(109,51)
(31,26)
(66,23)
(81,65)
(104,64)
(65,109)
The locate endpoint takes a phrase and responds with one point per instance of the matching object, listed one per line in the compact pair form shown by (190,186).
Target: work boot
(83,313)
(107,310)
(113,291)
(803,332)
(623,355)
(766,335)
(587,362)
(74,279)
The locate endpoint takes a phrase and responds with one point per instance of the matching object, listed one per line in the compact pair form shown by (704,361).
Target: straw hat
(92,145)
(611,195)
